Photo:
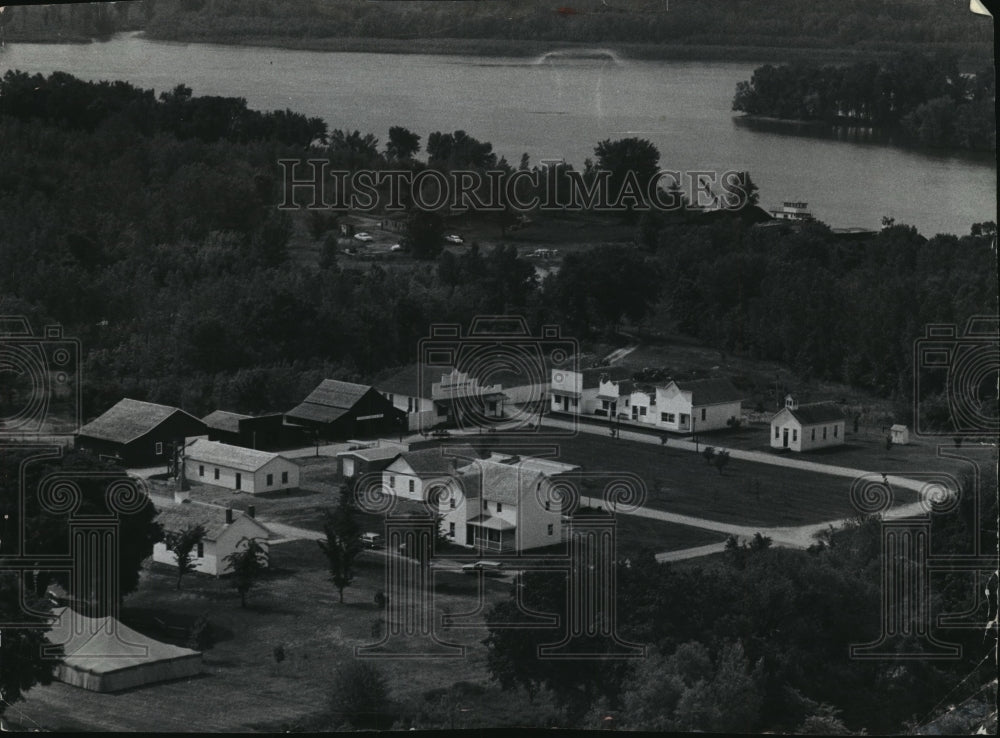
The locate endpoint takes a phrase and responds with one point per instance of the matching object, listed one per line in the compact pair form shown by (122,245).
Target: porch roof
(489,521)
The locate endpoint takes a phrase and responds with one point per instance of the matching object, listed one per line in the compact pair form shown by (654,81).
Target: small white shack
(900,434)
(238,468)
(225,531)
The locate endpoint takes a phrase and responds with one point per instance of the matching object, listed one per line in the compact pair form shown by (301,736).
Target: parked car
(454,239)
(489,568)
(372,540)
(362,236)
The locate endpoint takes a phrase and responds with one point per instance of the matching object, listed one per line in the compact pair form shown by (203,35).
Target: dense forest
(761,641)
(155,238)
(925,99)
(775,24)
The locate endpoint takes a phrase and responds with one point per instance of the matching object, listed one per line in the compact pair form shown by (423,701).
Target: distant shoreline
(513,48)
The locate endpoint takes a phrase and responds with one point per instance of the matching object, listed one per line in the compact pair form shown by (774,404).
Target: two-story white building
(697,405)
(807,427)
(580,392)
(432,395)
(502,504)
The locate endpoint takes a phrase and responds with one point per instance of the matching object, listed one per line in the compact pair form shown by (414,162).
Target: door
(469,535)
(784,437)
(239,481)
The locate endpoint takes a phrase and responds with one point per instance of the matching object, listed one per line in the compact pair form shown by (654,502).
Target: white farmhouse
(238,468)
(807,427)
(502,505)
(225,533)
(697,405)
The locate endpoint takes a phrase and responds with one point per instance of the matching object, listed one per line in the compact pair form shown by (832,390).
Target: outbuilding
(240,469)
(137,433)
(899,434)
(225,532)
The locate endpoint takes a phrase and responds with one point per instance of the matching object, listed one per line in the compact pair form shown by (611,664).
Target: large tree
(248,563)
(342,543)
(183,543)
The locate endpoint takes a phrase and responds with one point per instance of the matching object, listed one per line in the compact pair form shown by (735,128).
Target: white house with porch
(503,504)
(698,405)
(807,427)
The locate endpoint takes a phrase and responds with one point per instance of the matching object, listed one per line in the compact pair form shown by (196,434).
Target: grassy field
(681,482)
(243,687)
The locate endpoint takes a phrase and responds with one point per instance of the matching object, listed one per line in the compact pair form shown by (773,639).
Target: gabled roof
(709,391)
(211,518)
(104,645)
(434,462)
(229,456)
(224,421)
(502,482)
(822,412)
(129,419)
(374,453)
(330,400)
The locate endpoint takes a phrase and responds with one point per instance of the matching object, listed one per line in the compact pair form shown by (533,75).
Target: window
(605,404)
(216,472)
(409,404)
(284,477)
(201,550)
(159,448)
(835,428)
(201,470)
(824,432)
(451,503)
(392,481)
(668,417)
(813,434)
(795,434)
(270,479)
(574,402)
(777,431)
(486,505)
(412,485)
(642,410)
(548,505)
(451,529)
(499,507)
(551,528)
(703,413)
(239,481)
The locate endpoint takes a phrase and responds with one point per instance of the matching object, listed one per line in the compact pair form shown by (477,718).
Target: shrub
(360,696)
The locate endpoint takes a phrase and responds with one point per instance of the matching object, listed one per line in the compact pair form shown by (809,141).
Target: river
(556,107)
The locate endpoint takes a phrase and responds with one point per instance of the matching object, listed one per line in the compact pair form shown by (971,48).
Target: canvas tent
(104,655)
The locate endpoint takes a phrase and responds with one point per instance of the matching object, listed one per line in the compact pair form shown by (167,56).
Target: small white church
(807,427)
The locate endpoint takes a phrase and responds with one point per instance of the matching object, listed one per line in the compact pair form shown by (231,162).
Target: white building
(412,474)
(238,468)
(697,405)
(431,395)
(579,392)
(225,532)
(807,427)
(899,434)
(502,504)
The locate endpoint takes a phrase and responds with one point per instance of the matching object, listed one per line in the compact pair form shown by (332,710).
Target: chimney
(229,515)
(251,511)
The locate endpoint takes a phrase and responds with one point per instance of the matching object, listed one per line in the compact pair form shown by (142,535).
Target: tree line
(924,99)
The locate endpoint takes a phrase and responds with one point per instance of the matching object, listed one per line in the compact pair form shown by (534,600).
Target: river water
(559,107)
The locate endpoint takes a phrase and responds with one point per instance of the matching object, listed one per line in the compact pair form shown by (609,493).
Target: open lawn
(682,482)
(243,687)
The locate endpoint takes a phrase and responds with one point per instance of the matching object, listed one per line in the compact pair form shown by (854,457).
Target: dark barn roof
(710,391)
(129,419)
(330,400)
